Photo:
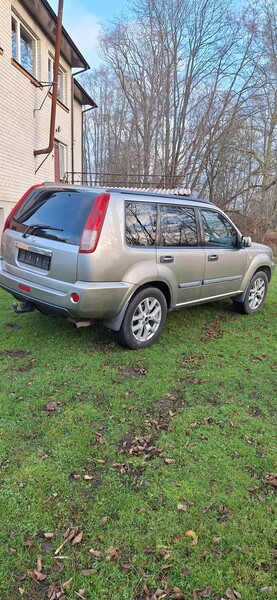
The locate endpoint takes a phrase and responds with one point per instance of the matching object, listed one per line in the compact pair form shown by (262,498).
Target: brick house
(27,47)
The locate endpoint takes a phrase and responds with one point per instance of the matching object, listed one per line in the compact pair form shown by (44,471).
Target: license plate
(34,259)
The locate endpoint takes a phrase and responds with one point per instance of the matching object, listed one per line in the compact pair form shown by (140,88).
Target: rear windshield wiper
(33,228)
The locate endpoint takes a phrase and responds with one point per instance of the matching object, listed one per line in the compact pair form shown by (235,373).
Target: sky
(82,18)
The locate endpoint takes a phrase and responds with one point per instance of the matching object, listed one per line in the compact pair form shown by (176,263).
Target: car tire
(255,295)
(144,319)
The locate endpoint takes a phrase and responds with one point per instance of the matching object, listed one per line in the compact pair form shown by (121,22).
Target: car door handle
(212,257)
(166,259)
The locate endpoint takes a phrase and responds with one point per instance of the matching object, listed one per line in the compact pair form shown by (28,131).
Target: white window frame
(61,93)
(18,25)
(62,160)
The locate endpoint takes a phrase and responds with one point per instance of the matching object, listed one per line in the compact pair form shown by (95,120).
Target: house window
(60,161)
(61,79)
(23,46)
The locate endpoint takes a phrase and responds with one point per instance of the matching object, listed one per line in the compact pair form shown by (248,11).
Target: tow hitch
(24,307)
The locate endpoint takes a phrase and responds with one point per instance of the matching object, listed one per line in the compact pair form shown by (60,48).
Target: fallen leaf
(48,536)
(112,554)
(149,550)
(51,406)
(76,475)
(95,553)
(52,497)
(168,555)
(182,507)
(29,543)
(205,593)
(103,521)
(169,461)
(69,535)
(77,539)
(191,533)
(39,576)
(88,477)
(177,594)
(67,584)
(101,440)
(88,572)
(126,567)
(232,594)
(271,479)
(39,564)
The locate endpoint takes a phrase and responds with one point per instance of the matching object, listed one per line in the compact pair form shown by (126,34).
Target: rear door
(180,258)
(225,261)
(42,242)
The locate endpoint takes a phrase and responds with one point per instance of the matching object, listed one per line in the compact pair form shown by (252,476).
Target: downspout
(72,121)
(55,83)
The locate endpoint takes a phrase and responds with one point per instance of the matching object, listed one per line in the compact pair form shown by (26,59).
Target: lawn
(136,475)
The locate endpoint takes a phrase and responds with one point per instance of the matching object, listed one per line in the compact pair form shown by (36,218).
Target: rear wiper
(33,228)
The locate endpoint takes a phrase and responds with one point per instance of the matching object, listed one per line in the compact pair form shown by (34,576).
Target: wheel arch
(264,269)
(160,285)
(116,322)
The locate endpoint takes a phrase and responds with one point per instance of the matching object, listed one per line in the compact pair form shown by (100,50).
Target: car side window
(218,231)
(178,226)
(141,223)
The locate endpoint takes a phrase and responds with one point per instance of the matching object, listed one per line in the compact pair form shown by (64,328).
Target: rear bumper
(97,300)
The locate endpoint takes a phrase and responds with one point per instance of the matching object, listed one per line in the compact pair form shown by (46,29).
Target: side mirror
(246,241)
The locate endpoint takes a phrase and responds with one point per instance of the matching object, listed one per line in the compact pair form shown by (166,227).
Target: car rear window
(66,210)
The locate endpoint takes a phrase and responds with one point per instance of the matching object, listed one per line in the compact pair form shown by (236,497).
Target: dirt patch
(171,402)
(192,363)
(133,473)
(165,405)
(255,411)
(126,442)
(211,334)
(15,353)
(92,475)
(143,446)
(38,591)
(132,372)
(13,326)
(23,368)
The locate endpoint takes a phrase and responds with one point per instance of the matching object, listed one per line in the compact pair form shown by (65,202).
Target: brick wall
(21,129)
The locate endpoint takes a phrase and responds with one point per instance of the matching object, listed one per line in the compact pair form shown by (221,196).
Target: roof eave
(82,96)
(39,10)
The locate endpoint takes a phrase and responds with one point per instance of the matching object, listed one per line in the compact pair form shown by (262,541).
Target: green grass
(205,393)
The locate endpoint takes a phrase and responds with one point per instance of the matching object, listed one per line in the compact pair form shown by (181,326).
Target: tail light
(94,224)
(14,209)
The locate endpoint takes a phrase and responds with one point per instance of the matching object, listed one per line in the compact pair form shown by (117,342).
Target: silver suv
(126,257)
